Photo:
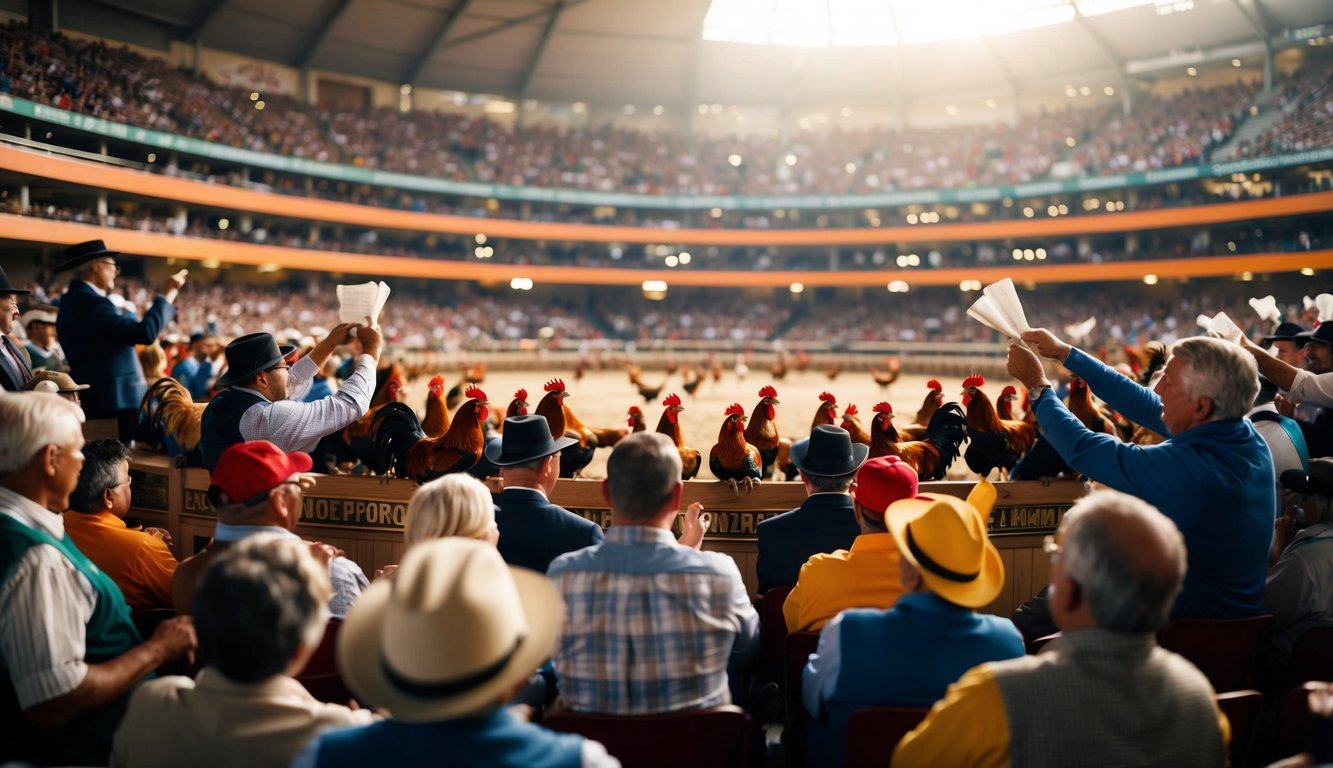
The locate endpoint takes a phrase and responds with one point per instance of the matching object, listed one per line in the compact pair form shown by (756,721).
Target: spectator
(825,522)
(263,396)
(195,370)
(45,380)
(138,560)
(1282,435)
(1282,343)
(15,369)
(259,613)
(442,647)
(39,323)
(533,530)
(256,488)
(1102,693)
(651,623)
(453,505)
(908,655)
(1297,592)
(1212,475)
(70,653)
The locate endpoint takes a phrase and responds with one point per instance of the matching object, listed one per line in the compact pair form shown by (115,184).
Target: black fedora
(1318,483)
(1323,334)
(526,438)
(251,354)
(8,287)
(81,253)
(1284,332)
(829,452)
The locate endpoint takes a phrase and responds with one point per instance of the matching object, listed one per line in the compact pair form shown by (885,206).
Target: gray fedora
(526,438)
(829,452)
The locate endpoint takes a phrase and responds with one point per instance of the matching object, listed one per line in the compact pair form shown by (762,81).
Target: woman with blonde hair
(453,505)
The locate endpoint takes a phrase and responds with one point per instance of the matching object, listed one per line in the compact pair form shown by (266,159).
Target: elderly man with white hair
(1213,475)
(69,652)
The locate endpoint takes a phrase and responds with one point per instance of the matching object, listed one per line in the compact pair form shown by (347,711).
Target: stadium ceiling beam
(1257,18)
(995,57)
(1102,45)
(419,63)
(195,31)
(320,37)
(517,21)
(540,50)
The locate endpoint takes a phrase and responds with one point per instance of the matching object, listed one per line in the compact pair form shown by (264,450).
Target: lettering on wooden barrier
(323,510)
(148,492)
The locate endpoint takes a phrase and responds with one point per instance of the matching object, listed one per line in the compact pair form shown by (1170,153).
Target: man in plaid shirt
(652,624)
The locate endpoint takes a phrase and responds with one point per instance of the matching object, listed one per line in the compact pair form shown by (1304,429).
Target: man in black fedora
(1308,384)
(263,391)
(1283,341)
(825,522)
(533,531)
(15,368)
(99,339)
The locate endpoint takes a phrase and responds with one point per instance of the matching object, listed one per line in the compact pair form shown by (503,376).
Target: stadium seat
(1293,721)
(320,675)
(1242,709)
(796,649)
(1312,658)
(718,737)
(772,633)
(873,732)
(1225,650)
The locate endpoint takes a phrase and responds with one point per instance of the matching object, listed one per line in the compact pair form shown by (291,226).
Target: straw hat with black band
(945,539)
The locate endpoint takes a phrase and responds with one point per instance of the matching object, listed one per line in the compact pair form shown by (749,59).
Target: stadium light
(1307,271)
(1150,279)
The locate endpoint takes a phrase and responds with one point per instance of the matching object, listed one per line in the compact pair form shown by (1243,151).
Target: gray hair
(826,484)
(257,602)
(642,474)
(453,505)
(101,462)
(1220,371)
(1127,592)
(30,421)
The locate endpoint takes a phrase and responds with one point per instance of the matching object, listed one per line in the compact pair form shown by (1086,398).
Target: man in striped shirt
(652,623)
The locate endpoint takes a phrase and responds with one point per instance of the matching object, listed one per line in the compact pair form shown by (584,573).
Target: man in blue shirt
(1213,476)
(196,370)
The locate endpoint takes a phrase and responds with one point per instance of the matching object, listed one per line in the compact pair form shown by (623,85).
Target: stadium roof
(648,52)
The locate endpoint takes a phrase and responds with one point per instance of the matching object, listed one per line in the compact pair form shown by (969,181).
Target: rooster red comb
(935,385)
(883,407)
(1008,391)
(435,381)
(850,410)
(634,409)
(975,380)
(768,391)
(475,394)
(672,400)
(521,394)
(826,397)
(735,409)
(555,385)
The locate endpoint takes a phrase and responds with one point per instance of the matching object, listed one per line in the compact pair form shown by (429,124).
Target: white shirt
(1312,388)
(45,606)
(296,426)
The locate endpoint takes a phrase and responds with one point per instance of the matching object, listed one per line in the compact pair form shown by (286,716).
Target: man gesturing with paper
(263,396)
(1213,476)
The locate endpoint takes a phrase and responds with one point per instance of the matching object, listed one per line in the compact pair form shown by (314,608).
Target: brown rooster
(832,371)
(168,408)
(1004,404)
(436,422)
(669,425)
(406,448)
(732,460)
(994,443)
(563,422)
(1082,405)
(778,368)
(762,432)
(932,401)
(636,422)
(472,374)
(648,393)
(930,457)
(519,405)
(889,375)
(826,413)
(851,421)
(692,380)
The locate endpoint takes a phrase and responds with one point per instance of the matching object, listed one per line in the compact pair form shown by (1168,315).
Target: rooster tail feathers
(395,429)
(947,431)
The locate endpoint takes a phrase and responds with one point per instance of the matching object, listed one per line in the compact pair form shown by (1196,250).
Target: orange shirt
(140,563)
(865,577)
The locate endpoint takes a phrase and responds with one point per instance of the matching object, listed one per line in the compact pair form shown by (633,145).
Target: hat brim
(360,644)
(498,458)
(230,377)
(801,449)
(82,259)
(977,593)
(18,291)
(1299,482)
(1301,339)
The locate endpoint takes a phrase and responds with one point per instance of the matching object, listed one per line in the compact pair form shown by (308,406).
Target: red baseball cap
(882,481)
(250,469)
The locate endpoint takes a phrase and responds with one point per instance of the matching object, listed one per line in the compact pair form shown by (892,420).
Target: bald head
(1128,557)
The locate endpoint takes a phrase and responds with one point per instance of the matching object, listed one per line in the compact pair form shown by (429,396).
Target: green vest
(86,739)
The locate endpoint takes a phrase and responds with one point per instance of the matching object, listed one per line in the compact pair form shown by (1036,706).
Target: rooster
(826,413)
(762,432)
(648,393)
(932,401)
(388,389)
(472,375)
(802,360)
(851,421)
(669,425)
(168,408)
(932,456)
(636,422)
(732,460)
(1004,405)
(889,375)
(406,448)
(519,405)
(436,422)
(778,368)
(832,371)
(564,423)
(1082,405)
(994,443)
(692,380)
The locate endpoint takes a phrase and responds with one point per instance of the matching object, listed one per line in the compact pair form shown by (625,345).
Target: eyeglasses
(1052,548)
(126,481)
(279,368)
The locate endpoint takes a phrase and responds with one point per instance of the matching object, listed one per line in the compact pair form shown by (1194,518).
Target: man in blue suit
(825,522)
(533,531)
(99,340)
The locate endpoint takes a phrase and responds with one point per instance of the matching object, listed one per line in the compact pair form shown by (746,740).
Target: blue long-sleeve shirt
(1214,481)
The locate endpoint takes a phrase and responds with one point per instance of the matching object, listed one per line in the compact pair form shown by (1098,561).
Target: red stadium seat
(718,737)
(320,675)
(1225,650)
(1242,709)
(1293,720)
(796,651)
(772,632)
(873,732)
(1312,658)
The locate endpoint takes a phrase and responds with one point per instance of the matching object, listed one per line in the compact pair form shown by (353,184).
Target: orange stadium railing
(79,172)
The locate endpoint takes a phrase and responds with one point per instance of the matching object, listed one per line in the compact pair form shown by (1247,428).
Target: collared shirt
(650,625)
(215,721)
(1312,388)
(140,563)
(866,576)
(1299,592)
(45,606)
(296,426)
